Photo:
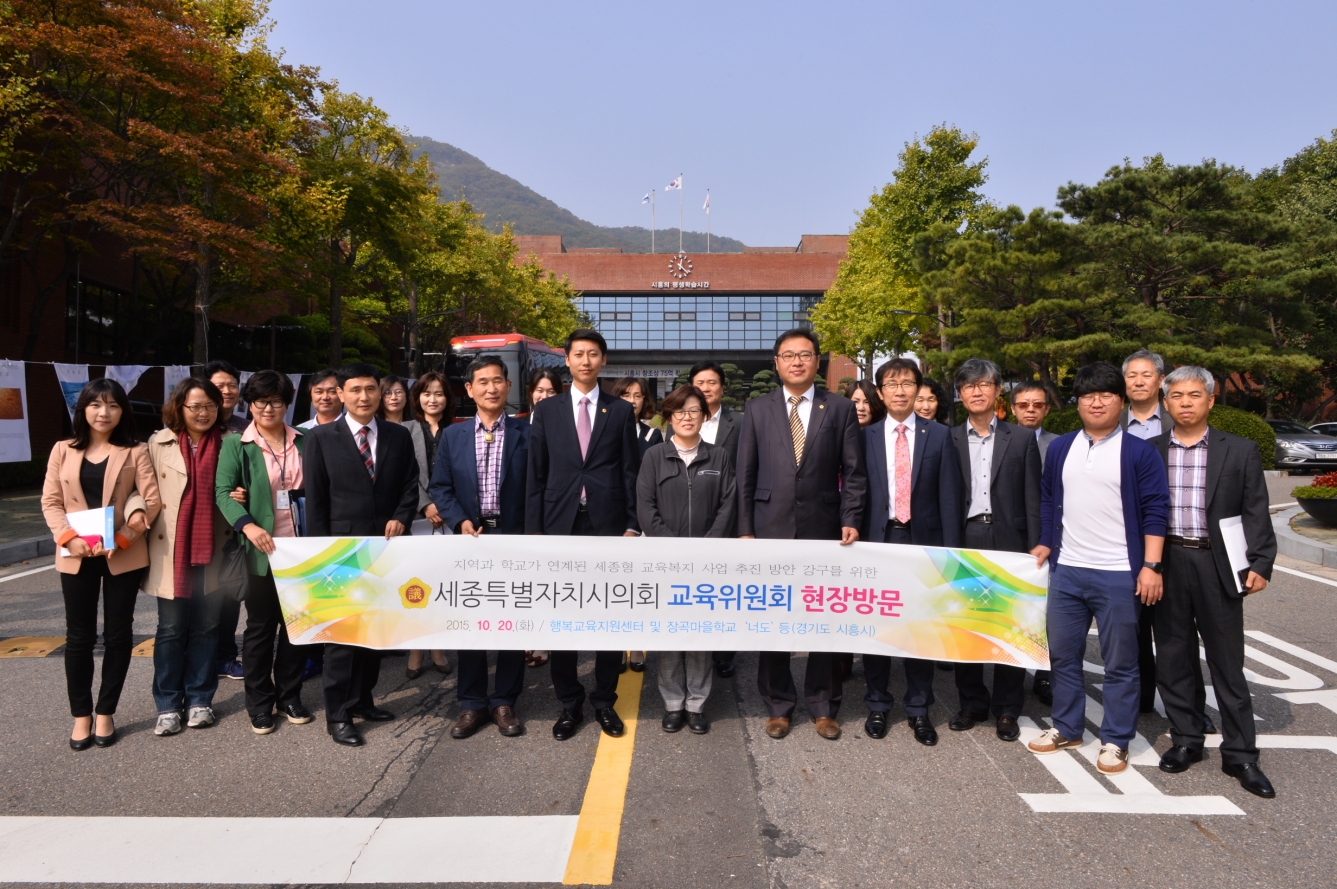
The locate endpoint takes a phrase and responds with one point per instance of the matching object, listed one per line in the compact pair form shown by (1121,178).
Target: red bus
(524,356)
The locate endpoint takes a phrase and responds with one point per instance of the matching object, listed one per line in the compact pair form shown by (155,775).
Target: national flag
(646,199)
(675,184)
(706,205)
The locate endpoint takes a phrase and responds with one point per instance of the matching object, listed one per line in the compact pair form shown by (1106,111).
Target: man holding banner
(583,464)
(800,475)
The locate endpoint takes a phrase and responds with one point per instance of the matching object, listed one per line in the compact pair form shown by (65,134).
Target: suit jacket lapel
(876,456)
(601,406)
(1002,437)
(350,444)
(917,458)
(115,460)
(1216,459)
(960,438)
(816,417)
(507,449)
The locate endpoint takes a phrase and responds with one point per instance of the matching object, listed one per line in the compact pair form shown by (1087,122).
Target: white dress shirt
(371,436)
(980,448)
(711,427)
(593,396)
(890,434)
(804,405)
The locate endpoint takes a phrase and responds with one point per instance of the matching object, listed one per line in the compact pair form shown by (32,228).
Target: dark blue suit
(454,490)
(936,504)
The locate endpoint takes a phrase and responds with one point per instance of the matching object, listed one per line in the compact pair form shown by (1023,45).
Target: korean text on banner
(171,375)
(15,445)
(72,379)
(601,593)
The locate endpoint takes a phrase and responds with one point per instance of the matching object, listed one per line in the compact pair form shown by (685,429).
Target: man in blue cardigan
(1104,508)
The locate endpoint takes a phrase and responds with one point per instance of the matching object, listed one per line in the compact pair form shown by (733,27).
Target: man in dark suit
(914,496)
(478,486)
(1000,480)
(583,463)
(1214,476)
(721,429)
(796,445)
(361,479)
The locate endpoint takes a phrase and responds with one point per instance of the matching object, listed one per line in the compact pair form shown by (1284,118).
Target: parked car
(1299,447)
(1325,428)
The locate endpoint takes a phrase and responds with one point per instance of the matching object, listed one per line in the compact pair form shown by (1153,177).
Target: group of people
(1127,511)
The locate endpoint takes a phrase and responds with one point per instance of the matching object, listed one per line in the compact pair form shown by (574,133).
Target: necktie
(583,430)
(902,475)
(796,428)
(364,448)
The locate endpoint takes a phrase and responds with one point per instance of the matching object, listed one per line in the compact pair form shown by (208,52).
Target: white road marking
(48,568)
(314,850)
(1287,742)
(1326,698)
(1294,650)
(1281,505)
(1313,577)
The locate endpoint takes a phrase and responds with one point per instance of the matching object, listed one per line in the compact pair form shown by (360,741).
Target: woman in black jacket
(635,391)
(686,489)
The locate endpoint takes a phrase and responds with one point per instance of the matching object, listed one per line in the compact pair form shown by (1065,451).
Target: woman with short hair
(686,488)
(102,465)
(184,545)
(867,403)
(634,390)
(265,462)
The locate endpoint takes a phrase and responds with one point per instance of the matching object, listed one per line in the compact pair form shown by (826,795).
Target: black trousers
(350,675)
(1009,681)
(877,667)
(1195,604)
(81,591)
(607,664)
(1146,657)
(227,631)
(471,685)
(823,684)
(271,677)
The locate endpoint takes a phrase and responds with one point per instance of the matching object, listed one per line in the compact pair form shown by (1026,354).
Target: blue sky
(793,113)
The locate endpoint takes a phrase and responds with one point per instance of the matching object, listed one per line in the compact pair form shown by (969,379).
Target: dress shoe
(82,743)
(507,722)
(875,726)
(827,727)
(1209,727)
(1177,759)
(566,724)
(777,727)
(469,722)
(372,714)
(443,669)
(1251,778)
(345,733)
(674,720)
(964,722)
(923,730)
(609,721)
(412,673)
(106,740)
(1044,692)
(1007,728)
(637,666)
(697,723)
(724,669)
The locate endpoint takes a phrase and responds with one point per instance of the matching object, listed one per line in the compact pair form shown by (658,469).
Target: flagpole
(652,220)
(680,191)
(707,220)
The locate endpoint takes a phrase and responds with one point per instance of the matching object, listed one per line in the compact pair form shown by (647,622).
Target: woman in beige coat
(103,465)
(184,546)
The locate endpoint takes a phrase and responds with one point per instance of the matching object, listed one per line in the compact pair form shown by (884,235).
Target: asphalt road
(730,808)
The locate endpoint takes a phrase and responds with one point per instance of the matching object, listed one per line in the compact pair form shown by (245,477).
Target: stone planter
(1324,511)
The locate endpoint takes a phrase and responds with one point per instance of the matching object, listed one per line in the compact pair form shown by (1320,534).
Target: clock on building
(680,266)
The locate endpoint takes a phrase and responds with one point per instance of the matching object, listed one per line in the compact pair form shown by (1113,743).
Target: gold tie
(796,428)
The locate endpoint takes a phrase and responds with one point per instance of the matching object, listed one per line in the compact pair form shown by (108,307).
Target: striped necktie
(364,448)
(796,428)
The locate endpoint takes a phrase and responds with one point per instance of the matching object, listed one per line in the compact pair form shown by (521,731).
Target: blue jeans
(184,673)
(1075,596)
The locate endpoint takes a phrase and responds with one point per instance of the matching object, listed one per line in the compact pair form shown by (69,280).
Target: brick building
(662,312)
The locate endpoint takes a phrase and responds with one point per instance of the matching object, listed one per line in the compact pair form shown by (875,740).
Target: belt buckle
(490,522)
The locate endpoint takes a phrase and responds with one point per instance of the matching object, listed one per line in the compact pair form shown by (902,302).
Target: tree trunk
(411,367)
(336,308)
(203,273)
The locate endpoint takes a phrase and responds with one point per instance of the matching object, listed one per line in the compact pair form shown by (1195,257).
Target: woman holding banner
(184,542)
(685,489)
(102,466)
(262,468)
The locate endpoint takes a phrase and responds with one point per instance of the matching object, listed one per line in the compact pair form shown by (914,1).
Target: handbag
(233,572)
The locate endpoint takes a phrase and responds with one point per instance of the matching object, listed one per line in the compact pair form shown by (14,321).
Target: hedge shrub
(1227,419)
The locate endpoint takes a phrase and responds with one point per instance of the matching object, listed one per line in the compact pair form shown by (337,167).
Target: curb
(1299,547)
(21,550)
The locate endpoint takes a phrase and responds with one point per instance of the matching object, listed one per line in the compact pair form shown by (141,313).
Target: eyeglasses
(690,413)
(268,405)
(902,385)
(797,356)
(1029,405)
(978,386)
(207,408)
(1098,398)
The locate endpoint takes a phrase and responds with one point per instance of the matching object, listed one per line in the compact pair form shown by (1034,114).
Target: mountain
(501,199)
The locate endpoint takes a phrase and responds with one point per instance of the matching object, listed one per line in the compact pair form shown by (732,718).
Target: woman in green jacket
(259,473)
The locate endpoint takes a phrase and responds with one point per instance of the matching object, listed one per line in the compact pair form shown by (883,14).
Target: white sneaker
(168,723)
(1051,740)
(200,717)
(1112,759)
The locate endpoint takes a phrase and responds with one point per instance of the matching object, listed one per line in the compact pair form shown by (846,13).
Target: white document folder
(1237,550)
(99,522)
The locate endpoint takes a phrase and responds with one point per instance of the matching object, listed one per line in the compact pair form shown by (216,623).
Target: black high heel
(82,743)
(105,740)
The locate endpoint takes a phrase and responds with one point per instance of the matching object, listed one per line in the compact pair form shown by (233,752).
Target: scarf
(195,518)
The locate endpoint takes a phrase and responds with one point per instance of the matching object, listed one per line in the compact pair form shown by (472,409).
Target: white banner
(15,446)
(72,379)
(126,374)
(171,375)
(602,593)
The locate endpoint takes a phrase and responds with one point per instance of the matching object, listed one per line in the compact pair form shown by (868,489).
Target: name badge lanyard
(282,500)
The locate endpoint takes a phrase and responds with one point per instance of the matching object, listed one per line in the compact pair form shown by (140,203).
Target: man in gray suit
(1143,376)
(721,429)
(796,446)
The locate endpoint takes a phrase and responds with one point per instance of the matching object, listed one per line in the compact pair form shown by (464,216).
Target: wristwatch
(1154,566)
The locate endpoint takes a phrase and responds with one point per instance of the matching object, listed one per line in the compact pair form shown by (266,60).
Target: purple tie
(583,431)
